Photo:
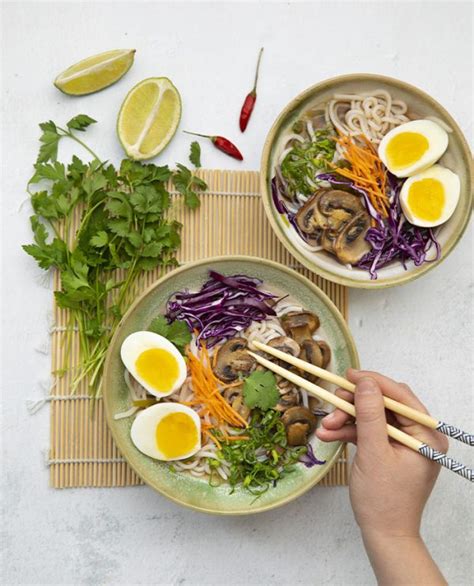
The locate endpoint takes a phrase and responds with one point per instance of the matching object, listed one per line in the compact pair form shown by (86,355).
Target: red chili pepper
(221,143)
(251,98)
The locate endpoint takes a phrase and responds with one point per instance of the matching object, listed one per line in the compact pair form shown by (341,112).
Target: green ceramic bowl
(193,492)
(458,158)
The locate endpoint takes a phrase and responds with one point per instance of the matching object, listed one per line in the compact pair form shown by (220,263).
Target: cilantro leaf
(153,249)
(191,199)
(49,171)
(146,200)
(159,326)
(148,264)
(138,173)
(39,231)
(188,184)
(100,239)
(260,390)
(195,154)
(177,332)
(44,205)
(182,178)
(49,142)
(48,255)
(80,122)
(94,182)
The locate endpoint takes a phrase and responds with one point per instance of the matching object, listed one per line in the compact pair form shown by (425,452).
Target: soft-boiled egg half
(154,362)
(412,147)
(429,198)
(167,431)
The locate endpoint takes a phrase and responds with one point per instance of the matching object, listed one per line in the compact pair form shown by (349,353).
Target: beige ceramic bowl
(457,158)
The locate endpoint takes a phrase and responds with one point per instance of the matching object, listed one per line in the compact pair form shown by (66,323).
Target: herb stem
(79,141)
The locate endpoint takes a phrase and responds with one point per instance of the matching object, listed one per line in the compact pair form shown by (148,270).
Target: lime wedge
(149,117)
(95,73)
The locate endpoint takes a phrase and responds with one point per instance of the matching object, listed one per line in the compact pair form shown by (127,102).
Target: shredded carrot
(213,438)
(236,437)
(206,389)
(214,360)
(231,385)
(367,170)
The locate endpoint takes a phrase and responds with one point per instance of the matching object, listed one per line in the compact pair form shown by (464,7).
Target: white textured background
(420,333)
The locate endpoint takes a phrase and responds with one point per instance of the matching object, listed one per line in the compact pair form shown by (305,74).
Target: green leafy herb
(52,134)
(177,332)
(260,461)
(124,225)
(305,160)
(195,154)
(260,390)
(188,184)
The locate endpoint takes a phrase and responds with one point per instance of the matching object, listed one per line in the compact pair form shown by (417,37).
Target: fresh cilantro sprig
(188,185)
(260,390)
(124,226)
(195,154)
(177,332)
(52,134)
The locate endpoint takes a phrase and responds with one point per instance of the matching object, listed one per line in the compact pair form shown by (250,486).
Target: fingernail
(367,386)
(351,370)
(329,417)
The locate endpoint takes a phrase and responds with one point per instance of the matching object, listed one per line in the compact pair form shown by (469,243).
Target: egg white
(143,431)
(451,186)
(437,139)
(139,342)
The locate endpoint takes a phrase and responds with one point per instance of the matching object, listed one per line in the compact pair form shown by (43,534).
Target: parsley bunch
(124,226)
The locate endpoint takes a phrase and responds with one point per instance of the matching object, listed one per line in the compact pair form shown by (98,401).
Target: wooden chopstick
(393,432)
(395,406)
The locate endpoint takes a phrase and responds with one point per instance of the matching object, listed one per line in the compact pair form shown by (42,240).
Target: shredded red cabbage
(309,459)
(222,307)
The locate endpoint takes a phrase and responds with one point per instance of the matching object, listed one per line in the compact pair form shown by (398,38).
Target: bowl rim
(106,396)
(408,275)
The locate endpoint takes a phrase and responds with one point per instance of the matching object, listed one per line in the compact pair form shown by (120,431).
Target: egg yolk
(158,368)
(406,148)
(176,435)
(426,199)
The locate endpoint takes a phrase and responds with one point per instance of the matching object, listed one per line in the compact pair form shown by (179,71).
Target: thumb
(370,413)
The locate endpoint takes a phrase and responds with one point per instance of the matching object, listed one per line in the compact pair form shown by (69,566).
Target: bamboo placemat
(231,220)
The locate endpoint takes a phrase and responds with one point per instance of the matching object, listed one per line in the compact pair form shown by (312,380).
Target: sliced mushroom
(234,397)
(314,404)
(328,240)
(288,400)
(300,325)
(309,218)
(233,360)
(285,344)
(351,245)
(339,207)
(326,352)
(299,424)
(311,352)
(231,393)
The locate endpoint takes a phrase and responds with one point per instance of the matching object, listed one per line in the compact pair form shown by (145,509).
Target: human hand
(389,483)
